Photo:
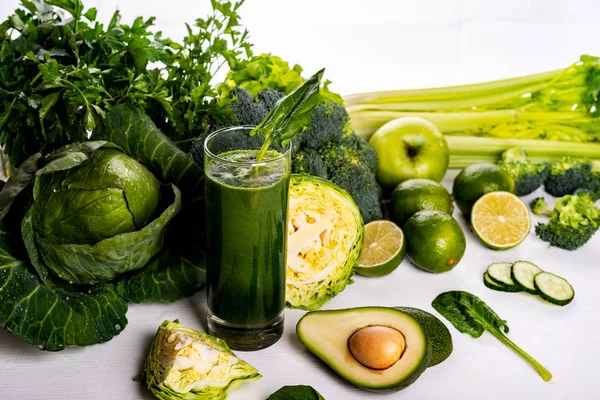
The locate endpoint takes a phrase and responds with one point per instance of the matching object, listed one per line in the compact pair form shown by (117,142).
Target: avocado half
(374,348)
(439,335)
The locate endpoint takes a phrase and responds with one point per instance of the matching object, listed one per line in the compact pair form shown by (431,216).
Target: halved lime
(384,249)
(501,220)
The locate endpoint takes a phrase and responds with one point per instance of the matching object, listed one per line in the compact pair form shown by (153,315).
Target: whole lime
(409,148)
(476,180)
(415,195)
(435,242)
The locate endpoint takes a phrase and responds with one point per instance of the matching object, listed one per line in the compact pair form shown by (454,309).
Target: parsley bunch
(61,71)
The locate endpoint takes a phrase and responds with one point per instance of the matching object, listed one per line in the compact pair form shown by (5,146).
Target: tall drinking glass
(246,219)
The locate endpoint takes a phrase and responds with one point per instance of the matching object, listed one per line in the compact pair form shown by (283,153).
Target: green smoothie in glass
(247,175)
(247,234)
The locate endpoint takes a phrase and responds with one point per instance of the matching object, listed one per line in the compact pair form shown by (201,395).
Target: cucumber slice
(487,281)
(500,273)
(523,272)
(553,288)
(492,284)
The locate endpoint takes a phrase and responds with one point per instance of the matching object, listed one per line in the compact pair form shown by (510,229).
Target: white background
(374,45)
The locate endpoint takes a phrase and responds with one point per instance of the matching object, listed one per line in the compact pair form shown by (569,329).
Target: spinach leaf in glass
(469,314)
(290,116)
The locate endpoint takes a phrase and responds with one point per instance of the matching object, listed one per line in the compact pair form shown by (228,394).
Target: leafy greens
(61,71)
(469,314)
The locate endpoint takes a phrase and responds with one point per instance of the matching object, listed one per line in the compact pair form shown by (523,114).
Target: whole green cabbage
(94,225)
(95,220)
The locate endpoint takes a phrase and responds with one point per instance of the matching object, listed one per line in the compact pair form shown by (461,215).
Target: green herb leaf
(91,14)
(469,314)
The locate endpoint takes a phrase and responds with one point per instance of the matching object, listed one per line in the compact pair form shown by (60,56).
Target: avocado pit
(377,347)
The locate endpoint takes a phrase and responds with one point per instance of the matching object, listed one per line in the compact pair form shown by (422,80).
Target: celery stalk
(467,150)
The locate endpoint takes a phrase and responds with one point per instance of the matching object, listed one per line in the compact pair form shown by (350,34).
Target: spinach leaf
(290,116)
(469,314)
(300,392)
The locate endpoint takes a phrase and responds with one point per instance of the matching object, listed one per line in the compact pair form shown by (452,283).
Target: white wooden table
(375,45)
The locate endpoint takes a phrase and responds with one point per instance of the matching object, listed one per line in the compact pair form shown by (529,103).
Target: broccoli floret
(348,170)
(573,221)
(308,161)
(245,109)
(540,207)
(269,98)
(528,176)
(569,174)
(350,149)
(327,123)
(362,186)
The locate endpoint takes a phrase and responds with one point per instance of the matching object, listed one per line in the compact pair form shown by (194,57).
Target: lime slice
(384,249)
(501,220)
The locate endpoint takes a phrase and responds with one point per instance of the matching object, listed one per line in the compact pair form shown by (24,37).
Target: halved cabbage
(184,363)
(325,239)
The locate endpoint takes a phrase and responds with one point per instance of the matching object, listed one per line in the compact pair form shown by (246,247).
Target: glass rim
(286,152)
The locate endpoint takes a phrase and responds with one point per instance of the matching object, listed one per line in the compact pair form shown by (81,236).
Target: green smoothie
(246,210)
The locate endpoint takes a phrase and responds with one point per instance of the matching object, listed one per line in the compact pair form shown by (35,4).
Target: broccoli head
(527,175)
(573,221)
(357,180)
(328,148)
(569,174)
(327,123)
(351,164)
(308,161)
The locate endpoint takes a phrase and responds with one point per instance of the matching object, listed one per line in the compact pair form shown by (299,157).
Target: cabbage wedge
(325,239)
(184,363)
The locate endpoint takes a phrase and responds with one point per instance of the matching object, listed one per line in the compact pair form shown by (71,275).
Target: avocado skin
(426,362)
(438,334)
(415,375)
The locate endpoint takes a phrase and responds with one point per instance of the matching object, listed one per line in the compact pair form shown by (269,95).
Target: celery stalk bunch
(555,106)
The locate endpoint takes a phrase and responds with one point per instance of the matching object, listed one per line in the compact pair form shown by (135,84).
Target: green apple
(409,148)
